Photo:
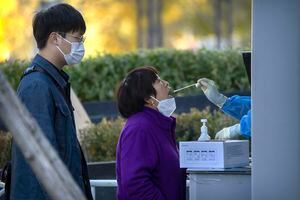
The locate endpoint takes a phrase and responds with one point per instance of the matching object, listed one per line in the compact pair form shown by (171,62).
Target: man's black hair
(61,18)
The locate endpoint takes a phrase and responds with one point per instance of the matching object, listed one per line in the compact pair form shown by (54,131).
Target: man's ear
(54,38)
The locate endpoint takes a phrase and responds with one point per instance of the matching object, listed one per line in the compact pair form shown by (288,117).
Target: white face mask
(166,106)
(76,54)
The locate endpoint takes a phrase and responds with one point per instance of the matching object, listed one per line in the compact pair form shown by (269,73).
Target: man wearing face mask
(45,91)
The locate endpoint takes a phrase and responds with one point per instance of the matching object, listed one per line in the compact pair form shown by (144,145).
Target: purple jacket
(148,159)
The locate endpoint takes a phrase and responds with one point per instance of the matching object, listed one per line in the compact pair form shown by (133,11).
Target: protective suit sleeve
(237,106)
(245,124)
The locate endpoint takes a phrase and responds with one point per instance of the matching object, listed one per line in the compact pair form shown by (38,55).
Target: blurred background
(117,26)
(184,39)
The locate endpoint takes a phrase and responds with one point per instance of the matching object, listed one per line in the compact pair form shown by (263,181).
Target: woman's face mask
(166,106)
(76,54)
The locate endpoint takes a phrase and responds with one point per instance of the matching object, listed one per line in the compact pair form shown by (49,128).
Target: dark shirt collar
(59,76)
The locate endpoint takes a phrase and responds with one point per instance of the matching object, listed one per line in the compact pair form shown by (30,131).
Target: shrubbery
(99,142)
(188,124)
(5,145)
(97,78)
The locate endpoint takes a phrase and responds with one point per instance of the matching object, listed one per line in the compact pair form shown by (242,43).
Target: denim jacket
(41,95)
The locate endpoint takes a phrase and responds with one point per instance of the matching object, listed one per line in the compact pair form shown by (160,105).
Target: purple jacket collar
(161,120)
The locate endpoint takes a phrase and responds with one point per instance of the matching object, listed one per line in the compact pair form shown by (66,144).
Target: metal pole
(276,100)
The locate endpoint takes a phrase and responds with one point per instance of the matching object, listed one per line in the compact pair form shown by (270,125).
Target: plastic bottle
(204,133)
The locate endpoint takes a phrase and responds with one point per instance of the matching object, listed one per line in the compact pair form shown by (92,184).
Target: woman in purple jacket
(147,155)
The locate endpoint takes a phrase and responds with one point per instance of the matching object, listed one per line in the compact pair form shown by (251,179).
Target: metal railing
(94,184)
(101,183)
(110,183)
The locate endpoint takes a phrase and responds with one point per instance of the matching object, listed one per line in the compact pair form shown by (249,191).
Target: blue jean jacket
(41,96)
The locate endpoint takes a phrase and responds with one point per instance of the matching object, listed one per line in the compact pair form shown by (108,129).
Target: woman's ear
(148,101)
(151,102)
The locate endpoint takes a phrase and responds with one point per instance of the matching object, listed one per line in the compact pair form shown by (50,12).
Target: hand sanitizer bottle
(204,135)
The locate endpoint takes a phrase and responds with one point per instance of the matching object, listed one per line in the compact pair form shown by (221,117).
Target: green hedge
(97,78)
(13,71)
(188,124)
(5,144)
(100,140)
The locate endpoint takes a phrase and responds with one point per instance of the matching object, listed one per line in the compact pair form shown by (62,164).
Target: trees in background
(149,24)
(15,28)
(124,25)
(225,20)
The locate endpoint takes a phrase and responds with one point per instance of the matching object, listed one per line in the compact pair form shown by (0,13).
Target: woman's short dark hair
(62,18)
(134,89)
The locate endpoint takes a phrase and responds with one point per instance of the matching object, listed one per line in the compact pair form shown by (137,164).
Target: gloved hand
(211,92)
(231,132)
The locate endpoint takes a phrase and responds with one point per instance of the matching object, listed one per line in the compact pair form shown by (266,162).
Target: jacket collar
(58,75)
(162,121)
